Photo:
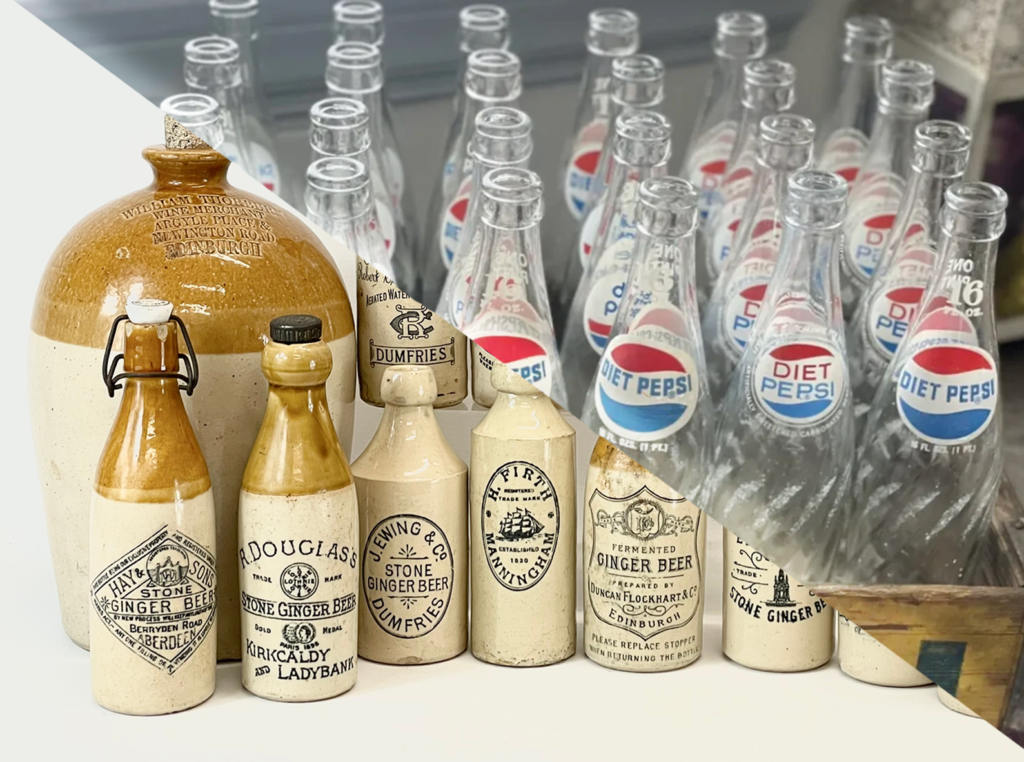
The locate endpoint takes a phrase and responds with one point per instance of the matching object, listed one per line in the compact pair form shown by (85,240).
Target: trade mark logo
(890,315)
(866,240)
(800,383)
(947,394)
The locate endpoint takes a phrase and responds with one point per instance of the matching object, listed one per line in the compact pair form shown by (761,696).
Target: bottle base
(527,661)
(776,667)
(154,711)
(412,661)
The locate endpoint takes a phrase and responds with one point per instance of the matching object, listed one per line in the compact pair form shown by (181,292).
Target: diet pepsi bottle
(905,94)
(908,260)
(642,149)
(650,396)
(611,32)
(784,147)
(768,88)
(492,79)
(931,456)
(507,314)
(783,456)
(843,139)
(739,37)
(502,139)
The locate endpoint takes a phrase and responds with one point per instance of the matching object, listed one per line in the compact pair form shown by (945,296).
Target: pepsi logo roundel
(588,233)
(606,291)
(866,239)
(947,395)
(454,221)
(586,155)
(646,390)
(800,383)
(942,323)
(889,317)
(524,355)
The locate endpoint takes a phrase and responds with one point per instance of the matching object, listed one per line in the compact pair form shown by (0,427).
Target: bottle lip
(874,32)
(638,67)
(515,185)
(493,62)
(483,17)
(149,311)
(234,9)
(643,126)
(976,199)
(338,174)
(906,84)
(734,27)
(408,386)
(192,109)
(503,122)
(769,72)
(354,55)
(612,32)
(212,49)
(358,12)
(339,113)
(816,199)
(668,206)
(786,129)
(942,137)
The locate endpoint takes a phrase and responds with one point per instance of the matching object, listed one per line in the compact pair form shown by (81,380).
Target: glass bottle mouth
(354,67)
(816,200)
(741,35)
(906,85)
(212,62)
(338,174)
(234,9)
(502,136)
(868,39)
(613,32)
(769,82)
(493,74)
(199,114)
(785,141)
(514,197)
(667,206)
(643,138)
(638,81)
(975,211)
(359,21)
(212,50)
(339,126)
(483,26)
(942,147)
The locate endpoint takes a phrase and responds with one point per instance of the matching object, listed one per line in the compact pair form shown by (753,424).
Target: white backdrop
(73,134)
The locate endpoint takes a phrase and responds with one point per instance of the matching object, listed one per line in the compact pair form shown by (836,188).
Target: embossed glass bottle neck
(339,127)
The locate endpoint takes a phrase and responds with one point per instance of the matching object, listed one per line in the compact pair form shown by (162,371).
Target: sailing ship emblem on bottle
(520,540)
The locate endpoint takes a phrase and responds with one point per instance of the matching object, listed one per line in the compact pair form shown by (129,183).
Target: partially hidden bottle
(493,78)
(507,314)
(768,88)
(930,460)
(152,571)
(393,328)
(843,138)
(739,37)
(908,260)
(785,146)
(502,139)
(199,114)
(482,26)
(642,148)
(650,397)
(864,658)
(522,505)
(643,568)
(355,71)
(771,622)
(298,529)
(413,530)
(905,93)
(785,428)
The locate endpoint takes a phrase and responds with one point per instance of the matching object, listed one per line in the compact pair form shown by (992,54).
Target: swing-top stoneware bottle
(413,530)
(153,592)
(298,526)
(230,261)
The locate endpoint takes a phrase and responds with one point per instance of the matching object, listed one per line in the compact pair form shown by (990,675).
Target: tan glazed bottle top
(408,386)
(297,451)
(504,379)
(151,455)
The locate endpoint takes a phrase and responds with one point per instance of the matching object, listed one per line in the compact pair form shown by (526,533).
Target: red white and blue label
(800,383)
(737,188)
(843,153)
(942,323)
(588,233)
(708,162)
(583,164)
(524,355)
(947,395)
(865,240)
(455,221)
(889,316)
(646,390)
(606,291)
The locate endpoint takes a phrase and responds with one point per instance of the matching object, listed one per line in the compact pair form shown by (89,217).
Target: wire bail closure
(189,379)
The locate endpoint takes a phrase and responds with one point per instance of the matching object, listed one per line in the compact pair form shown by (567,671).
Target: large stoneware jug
(229,261)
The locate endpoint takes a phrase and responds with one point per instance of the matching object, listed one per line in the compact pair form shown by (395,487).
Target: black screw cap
(296,329)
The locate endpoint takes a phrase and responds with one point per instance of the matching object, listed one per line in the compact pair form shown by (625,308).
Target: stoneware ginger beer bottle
(297,529)
(153,577)
(522,505)
(864,658)
(413,530)
(643,568)
(771,622)
(231,261)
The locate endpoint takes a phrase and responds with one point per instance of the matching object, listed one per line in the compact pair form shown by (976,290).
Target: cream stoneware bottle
(643,568)
(864,658)
(153,591)
(771,622)
(413,530)
(231,261)
(298,525)
(522,505)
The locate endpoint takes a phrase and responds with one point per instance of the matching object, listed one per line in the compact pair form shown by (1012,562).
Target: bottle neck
(508,272)
(595,100)
(402,426)
(892,144)
(805,281)
(856,102)
(242,30)
(966,284)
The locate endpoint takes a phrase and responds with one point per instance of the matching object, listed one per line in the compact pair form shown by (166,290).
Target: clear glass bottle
(739,37)
(200,114)
(642,148)
(843,139)
(236,20)
(783,456)
(359,21)
(931,455)
(502,139)
(768,88)
(908,260)
(493,78)
(650,396)
(354,70)
(785,146)
(905,93)
(482,26)
(507,314)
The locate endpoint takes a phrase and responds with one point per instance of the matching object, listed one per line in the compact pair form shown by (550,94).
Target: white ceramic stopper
(149,311)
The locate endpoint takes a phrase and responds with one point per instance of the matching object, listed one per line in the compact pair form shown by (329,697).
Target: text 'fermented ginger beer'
(864,658)
(153,590)
(297,530)
(770,621)
(522,502)
(413,531)
(643,568)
